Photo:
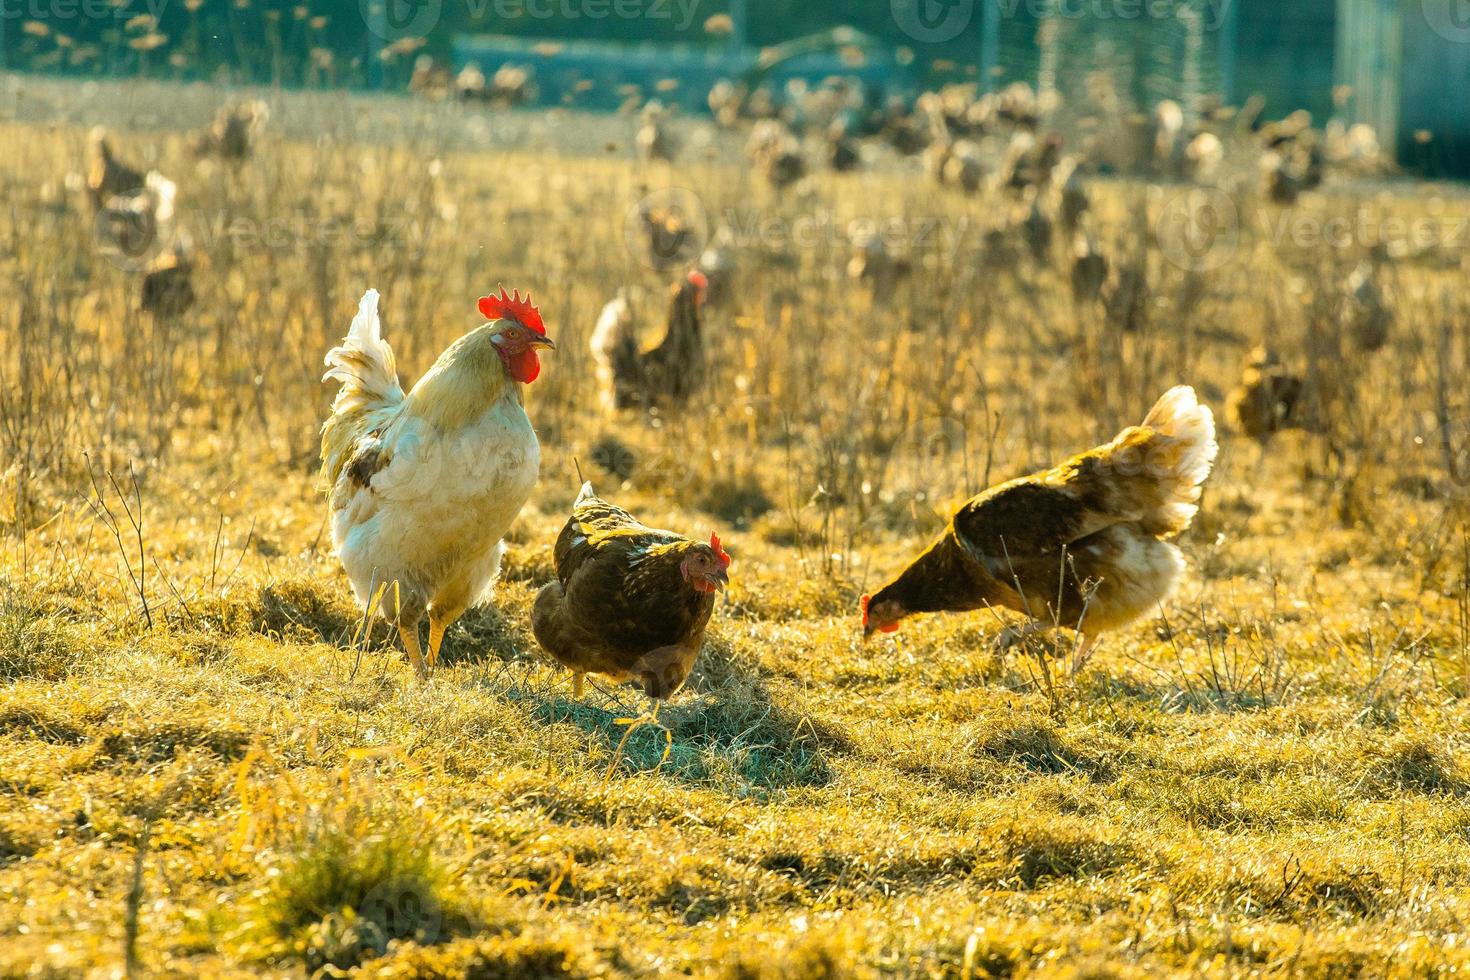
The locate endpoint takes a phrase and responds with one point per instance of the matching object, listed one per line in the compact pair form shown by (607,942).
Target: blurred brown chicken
(775,154)
(670,236)
(653,140)
(963,168)
(430,80)
(872,264)
(107,177)
(665,376)
(1267,398)
(1073,199)
(232,134)
(167,287)
(1366,318)
(842,150)
(1029,162)
(1089,269)
(1126,299)
(1036,229)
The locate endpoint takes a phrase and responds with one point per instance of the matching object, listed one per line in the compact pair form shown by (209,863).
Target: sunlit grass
(203,748)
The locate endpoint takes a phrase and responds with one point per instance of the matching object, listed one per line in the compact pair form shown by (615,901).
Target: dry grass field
(209,767)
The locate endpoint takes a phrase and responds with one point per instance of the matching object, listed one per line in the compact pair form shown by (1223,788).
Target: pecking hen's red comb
(714,542)
(512,307)
(886,628)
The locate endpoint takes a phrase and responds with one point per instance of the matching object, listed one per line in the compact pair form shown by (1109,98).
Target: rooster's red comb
(510,306)
(699,279)
(714,542)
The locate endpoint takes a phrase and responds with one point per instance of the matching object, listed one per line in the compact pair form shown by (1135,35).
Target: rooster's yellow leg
(410,635)
(437,627)
(579,683)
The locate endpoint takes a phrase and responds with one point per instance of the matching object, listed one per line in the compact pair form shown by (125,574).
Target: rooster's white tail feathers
(363,363)
(586,494)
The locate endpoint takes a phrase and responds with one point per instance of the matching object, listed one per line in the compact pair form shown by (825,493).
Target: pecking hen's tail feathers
(363,364)
(1177,452)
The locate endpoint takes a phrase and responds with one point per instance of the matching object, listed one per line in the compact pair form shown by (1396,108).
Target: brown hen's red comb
(510,306)
(714,542)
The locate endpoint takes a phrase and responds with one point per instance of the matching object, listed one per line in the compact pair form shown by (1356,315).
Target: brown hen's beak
(721,577)
(541,340)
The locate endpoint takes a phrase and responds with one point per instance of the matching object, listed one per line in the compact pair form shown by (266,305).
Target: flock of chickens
(133,211)
(424,486)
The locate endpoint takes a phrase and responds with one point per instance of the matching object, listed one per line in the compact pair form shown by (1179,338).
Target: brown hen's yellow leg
(436,639)
(579,683)
(410,635)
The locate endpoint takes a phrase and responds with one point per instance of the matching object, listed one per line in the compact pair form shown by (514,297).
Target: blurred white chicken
(424,486)
(138,225)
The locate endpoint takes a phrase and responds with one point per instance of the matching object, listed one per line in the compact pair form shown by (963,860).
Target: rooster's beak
(541,340)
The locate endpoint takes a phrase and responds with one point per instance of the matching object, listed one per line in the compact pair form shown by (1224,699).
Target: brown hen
(1082,545)
(629,601)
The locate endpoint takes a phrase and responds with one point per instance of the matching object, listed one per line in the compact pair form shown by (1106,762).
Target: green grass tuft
(349,889)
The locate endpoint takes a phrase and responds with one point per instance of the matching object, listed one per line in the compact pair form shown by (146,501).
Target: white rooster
(424,486)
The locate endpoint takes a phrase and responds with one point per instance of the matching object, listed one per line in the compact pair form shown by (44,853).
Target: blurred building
(1401,66)
(1405,70)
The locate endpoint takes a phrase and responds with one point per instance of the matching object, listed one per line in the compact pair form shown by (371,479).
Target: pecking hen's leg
(1084,653)
(1011,635)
